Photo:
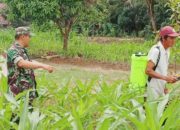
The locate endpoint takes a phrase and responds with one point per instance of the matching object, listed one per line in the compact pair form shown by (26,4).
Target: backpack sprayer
(138,78)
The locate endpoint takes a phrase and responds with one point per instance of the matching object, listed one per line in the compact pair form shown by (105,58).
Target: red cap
(169,31)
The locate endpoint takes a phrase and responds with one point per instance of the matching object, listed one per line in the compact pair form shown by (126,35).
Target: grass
(45,42)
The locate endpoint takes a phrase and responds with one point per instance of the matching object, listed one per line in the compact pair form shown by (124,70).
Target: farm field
(90,65)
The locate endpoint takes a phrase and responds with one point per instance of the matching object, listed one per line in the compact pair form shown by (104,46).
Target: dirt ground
(79,69)
(98,64)
(91,63)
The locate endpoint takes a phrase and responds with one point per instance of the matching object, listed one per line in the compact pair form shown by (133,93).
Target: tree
(175,8)
(64,13)
(130,16)
(150,6)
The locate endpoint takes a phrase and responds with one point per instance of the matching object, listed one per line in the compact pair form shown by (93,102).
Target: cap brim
(174,35)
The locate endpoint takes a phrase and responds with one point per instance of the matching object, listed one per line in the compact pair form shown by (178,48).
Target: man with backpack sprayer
(157,66)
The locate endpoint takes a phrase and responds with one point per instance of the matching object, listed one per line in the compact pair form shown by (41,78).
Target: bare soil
(99,64)
(89,63)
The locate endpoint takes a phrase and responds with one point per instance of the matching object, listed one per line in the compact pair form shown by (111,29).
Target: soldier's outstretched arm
(34,65)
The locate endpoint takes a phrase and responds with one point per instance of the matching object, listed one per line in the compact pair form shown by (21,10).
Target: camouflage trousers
(15,90)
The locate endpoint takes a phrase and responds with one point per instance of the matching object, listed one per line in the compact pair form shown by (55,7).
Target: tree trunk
(153,23)
(65,41)
(65,33)
(150,6)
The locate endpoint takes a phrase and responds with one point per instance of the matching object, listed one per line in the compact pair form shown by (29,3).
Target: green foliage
(162,14)
(5,39)
(63,13)
(131,17)
(175,8)
(89,105)
(93,17)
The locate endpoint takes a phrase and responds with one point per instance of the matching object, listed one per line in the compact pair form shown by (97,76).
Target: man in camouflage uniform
(20,67)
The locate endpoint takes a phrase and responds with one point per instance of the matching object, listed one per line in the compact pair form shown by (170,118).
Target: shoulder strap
(154,68)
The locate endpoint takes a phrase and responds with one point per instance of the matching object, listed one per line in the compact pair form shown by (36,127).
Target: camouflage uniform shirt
(19,79)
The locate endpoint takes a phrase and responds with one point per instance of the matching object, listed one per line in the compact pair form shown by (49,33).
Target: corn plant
(87,105)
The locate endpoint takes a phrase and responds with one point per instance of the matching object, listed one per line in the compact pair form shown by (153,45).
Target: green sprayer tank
(138,78)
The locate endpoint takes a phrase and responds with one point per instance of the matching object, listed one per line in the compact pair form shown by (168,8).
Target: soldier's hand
(48,68)
(171,79)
